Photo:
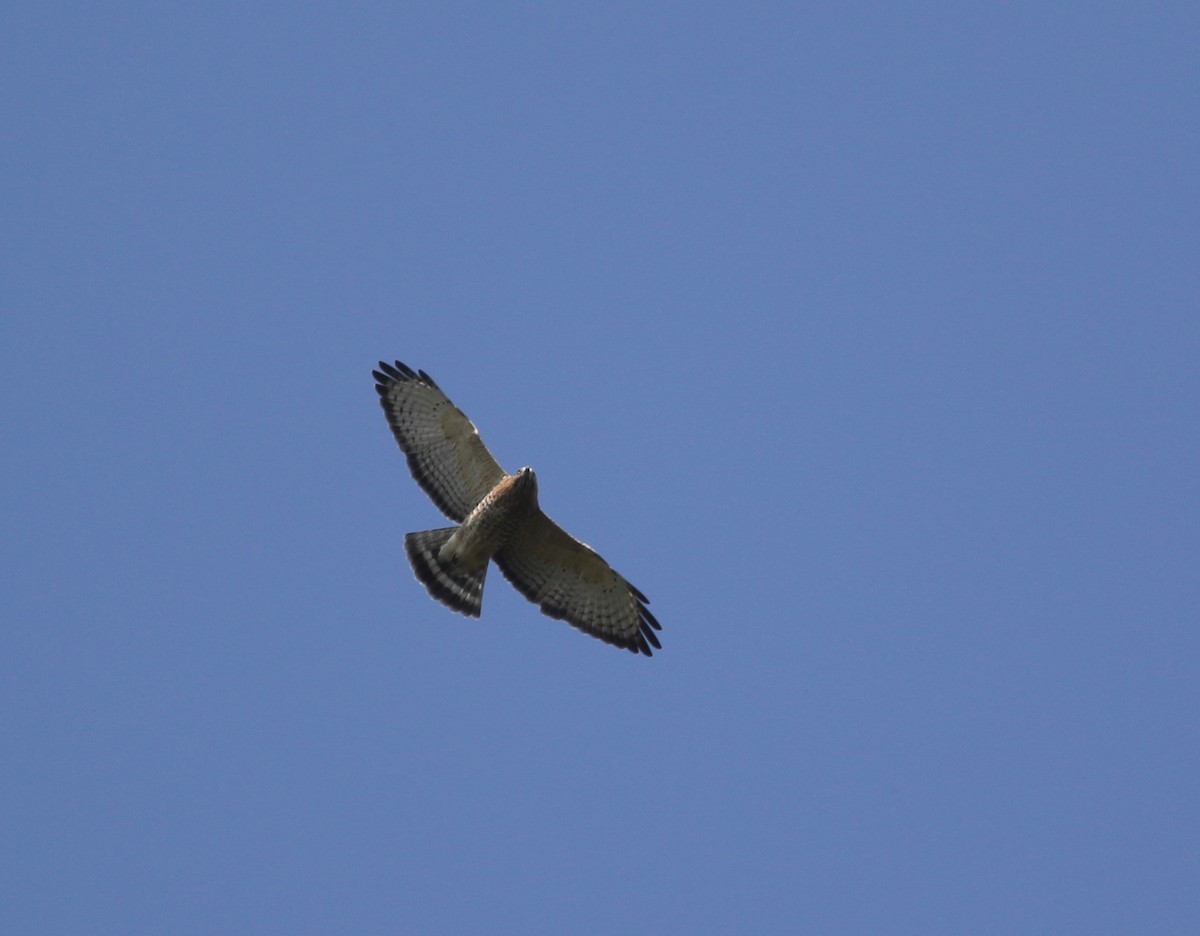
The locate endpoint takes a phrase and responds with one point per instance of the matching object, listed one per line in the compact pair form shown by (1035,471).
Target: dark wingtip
(399,372)
(651,638)
(650,618)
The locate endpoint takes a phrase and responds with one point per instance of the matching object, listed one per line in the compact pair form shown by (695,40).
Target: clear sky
(863,338)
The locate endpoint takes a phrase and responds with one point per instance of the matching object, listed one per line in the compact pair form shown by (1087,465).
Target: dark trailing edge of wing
(647,623)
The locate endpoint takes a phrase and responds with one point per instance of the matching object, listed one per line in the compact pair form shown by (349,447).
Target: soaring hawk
(499,519)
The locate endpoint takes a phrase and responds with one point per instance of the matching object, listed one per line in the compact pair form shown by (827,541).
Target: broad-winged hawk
(499,519)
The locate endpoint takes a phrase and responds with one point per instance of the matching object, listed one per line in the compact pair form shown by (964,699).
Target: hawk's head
(526,482)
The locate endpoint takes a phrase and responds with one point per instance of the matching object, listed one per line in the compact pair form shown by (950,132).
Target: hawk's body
(499,520)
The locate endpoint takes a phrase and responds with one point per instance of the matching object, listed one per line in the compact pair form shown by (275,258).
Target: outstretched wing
(570,581)
(444,451)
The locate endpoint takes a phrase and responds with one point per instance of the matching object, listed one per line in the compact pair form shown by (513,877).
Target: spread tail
(458,588)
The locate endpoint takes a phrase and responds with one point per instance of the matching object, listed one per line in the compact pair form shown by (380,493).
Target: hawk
(499,519)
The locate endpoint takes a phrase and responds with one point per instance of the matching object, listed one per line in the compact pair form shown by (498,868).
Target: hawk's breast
(488,527)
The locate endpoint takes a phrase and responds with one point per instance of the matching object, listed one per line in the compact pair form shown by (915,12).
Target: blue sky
(862,338)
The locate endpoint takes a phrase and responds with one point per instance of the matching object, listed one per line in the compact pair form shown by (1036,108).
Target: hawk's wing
(444,451)
(570,581)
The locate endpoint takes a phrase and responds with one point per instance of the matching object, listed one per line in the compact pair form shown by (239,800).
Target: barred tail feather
(458,588)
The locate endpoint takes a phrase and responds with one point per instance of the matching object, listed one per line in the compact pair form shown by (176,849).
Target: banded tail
(458,588)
